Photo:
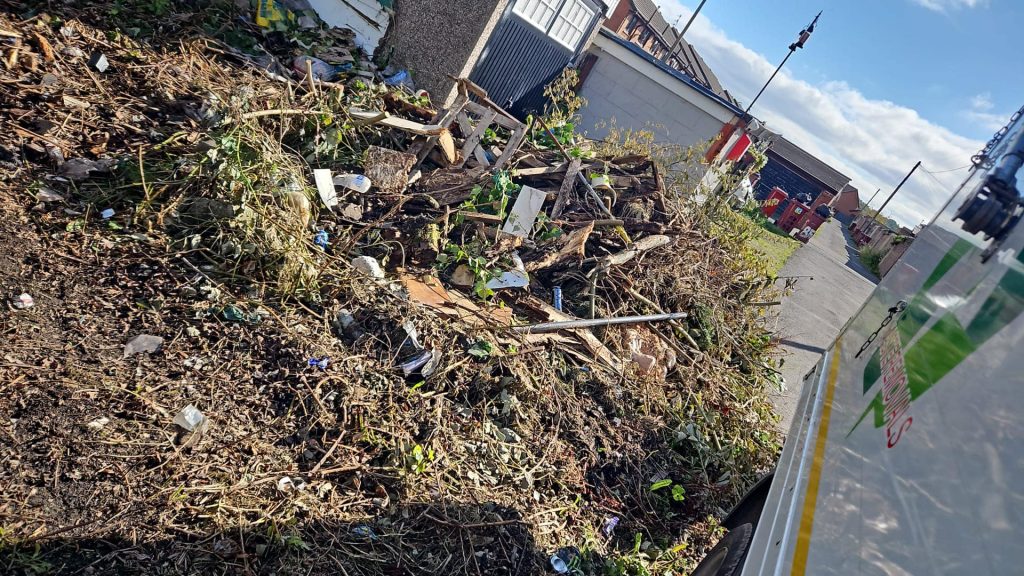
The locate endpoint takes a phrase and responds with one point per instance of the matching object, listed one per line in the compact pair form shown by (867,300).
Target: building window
(565,21)
(631,23)
(572,22)
(540,13)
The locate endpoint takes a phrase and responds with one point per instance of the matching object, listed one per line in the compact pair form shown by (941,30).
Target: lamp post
(727,131)
(805,35)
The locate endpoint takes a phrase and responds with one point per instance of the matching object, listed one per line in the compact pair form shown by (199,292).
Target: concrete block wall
(617,91)
(434,38)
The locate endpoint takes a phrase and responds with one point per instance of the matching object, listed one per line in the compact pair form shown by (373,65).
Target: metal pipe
(573,324)
(1006,172)
(763,88)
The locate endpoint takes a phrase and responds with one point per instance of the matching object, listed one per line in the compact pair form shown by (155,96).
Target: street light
(805,35)
(728,130)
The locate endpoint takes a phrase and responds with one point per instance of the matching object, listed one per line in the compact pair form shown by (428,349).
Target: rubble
(544,317)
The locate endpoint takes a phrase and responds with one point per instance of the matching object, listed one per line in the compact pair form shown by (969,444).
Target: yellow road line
(803,539)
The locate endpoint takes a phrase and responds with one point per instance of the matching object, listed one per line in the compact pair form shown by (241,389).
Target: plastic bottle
(356,182)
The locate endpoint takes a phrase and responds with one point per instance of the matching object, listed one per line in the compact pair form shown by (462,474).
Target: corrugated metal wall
(519,61)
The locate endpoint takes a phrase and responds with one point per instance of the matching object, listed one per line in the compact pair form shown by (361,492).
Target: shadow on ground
(853,258)
(438,538)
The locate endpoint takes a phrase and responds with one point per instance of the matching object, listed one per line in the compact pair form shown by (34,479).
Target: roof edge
(671,71)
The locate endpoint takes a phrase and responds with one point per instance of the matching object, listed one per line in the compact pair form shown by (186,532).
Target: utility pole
(868,205)
(905,178)
(679,40)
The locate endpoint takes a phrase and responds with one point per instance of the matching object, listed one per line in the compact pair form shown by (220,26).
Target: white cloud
(945,5)
(982,102)
(875,142)
(980,112)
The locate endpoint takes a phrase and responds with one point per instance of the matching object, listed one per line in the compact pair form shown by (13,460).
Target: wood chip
(44,46)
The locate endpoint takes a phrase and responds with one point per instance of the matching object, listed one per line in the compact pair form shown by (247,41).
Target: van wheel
(726,558)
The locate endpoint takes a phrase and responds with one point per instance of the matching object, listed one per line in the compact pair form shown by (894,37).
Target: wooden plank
(378,117)
(514,142)
(526,172)
(473,140)
(479,217)
(567,186)
(500,119)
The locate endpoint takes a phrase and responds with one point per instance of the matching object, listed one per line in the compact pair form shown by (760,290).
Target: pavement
(811,317)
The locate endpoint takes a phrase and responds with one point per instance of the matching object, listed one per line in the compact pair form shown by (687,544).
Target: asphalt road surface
(811,317)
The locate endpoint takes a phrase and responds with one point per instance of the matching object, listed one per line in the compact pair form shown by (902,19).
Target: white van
(906,456)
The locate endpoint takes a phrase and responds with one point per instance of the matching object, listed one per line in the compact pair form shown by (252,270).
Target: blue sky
(880,85)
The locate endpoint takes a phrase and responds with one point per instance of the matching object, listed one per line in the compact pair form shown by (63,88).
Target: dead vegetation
(354,425)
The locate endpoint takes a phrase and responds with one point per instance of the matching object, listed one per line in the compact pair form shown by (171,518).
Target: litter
(325,187)
(321,70)
(357,182)
(524,212)
(574,324)
(98,62)
(47,195)
(418,362)
(516,278)
(368,265)
(557,295)
(143,343)
(23,301)
(82,168)
(609,525)
(107,214)
(320,363)
(322,239)
(98,423)
(565,559)
(364,531)
(191,419)
(400,79)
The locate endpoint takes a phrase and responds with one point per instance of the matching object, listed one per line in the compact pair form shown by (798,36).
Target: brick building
(640,22)
(847,204)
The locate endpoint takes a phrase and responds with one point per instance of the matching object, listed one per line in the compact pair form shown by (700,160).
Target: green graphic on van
(946,343)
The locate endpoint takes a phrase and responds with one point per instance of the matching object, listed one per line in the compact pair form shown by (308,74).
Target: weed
(872,260)
(420,459)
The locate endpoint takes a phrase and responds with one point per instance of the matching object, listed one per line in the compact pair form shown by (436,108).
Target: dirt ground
(487,466)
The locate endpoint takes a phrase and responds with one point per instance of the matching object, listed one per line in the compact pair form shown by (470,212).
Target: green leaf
(661,484)
(481,349)
(678,493)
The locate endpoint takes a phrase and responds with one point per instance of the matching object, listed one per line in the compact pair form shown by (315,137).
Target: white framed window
(565,21)
(540,13)
(572,22)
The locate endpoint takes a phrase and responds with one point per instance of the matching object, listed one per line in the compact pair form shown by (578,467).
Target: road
(811,317)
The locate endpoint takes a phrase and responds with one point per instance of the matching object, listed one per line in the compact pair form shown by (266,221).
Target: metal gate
(534,41)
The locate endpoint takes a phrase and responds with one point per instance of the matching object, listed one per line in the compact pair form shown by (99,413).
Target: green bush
(872,259)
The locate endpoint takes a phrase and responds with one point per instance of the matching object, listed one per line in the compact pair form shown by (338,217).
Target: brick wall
(890,259)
